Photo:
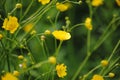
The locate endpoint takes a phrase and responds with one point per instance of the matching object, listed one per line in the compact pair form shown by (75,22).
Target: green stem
(57,50)
(56,18)
(77,25)
(105,34)
(80,68)
(8,63)
(117,45)
(26,11)
(85,76)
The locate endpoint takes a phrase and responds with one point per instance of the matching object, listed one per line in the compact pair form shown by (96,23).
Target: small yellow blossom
(11,24)
(111,75)
(18,5)
(20,57)
(9,76)
(28,27)
(33,32)
(97,3)
(104,63)
(88,24)
(61,35)
(118,2)
(61,70)
(62,7)
(43,2)
(97,77)
(47,32)
(42,37)
(16,73)
(1,36)
(52,60)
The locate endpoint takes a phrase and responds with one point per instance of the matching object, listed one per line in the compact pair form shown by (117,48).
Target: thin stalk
(80,68)
(56,18)
(86,75)
(117,45)
(26,11)
(57,50)
(77,25)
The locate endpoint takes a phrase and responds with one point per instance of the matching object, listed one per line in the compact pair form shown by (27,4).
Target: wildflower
(104,63)
(33,32)
(97,77)
(61,7)
(61,70)
(42,37)
(9,76)
(97,3)
(28,27)
(20,57)
(43,2)
(88,24)
(118,2)
(61,35)
(111,75)
(18,5)
(16,73)
(47,32)
(52,60)
(1,36)
(11,24)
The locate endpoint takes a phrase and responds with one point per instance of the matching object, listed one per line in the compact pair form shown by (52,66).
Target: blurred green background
(73,51)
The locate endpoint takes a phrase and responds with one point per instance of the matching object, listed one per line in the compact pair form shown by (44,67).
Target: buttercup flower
(97,77)
(118,2)
(61,7)
(16,73)
(61,70)
(47,32)
(97,3)
(28,27)
(111,75)
(88,24)
(18,5)
(20,57)
(11,24)
(9,76)
(43,2)
(104,63)
(61,35)
(1,36)
(52,60)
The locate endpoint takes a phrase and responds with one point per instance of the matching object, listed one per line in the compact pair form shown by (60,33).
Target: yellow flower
(104,63)
(28,27)
(43,2)
(9,76)
(16,73)
(20,57)
(61,70)
(97,3)
(118,2)
(61,35)
(61,7)
(47,32)
(111,75)
(88,24)
(18,5)
(1,36)
(11,24)
(97,77)
(52,60)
